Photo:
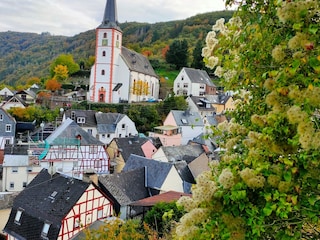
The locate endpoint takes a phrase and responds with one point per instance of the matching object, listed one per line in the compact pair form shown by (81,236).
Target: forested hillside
(26,55)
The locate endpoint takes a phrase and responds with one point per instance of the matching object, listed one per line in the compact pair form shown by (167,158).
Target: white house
(190,124)
(72,151)
(18,171)
(6,92)
(114,125)
(119,74)
(193,82)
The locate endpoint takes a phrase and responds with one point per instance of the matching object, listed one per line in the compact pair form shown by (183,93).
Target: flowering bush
(266,185)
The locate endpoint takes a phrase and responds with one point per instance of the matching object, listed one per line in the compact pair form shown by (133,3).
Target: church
(119,74)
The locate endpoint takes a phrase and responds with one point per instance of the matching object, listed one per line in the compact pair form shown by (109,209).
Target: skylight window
(184,121)
(45,229)
(17,218)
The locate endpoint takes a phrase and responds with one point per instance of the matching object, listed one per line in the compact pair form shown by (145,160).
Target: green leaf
(267,210)
(313,29)
(287,176)
(297,26)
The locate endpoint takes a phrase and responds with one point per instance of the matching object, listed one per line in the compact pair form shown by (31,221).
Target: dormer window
(81,120)
(17,218)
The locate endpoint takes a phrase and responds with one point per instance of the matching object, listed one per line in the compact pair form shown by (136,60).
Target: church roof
(110,18)
(137,62)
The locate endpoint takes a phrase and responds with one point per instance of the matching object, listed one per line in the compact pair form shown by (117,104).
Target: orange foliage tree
(53,85)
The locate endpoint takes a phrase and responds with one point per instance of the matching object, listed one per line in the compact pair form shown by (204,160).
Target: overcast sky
(70,17)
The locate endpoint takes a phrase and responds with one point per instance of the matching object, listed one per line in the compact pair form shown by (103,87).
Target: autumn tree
(60,73)
(64,60)
(53,85)
(266,185)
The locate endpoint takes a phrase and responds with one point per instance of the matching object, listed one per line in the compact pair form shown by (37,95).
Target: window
(103,53)
(24,97)
(81,120)
(90,131)
(100,212)
(73,115)
(202,86)
(24,184)
(76,221)
(178,85)
(98,163)
(93,149)
(103,135)
(102,72)
(17,218)
(123,126)
(185,85)
(104,35)
(7,141)
(1,117)
(8,127)
(182,77)
(11,185)
(45,229)
(14,169)
(108,135)
(29,169)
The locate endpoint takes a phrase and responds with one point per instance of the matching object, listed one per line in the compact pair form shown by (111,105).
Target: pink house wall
(148,149)
(170,120)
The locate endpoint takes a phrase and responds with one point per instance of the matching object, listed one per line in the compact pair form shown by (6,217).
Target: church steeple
(110,18)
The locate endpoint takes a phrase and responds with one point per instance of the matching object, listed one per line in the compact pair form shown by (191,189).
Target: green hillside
(26,55)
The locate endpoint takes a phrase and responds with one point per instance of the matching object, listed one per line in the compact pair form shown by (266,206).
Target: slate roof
(202,103)
(67,132)
(125,187)
(218,99)
(182,152)
(157,171)
(199,76)
(46,198)
(130,145)
(187,118)
(110,18)
(107,122)
(137,62)
(89,115)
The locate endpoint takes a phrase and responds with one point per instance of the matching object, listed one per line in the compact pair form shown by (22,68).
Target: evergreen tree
(178,53)
(197,58)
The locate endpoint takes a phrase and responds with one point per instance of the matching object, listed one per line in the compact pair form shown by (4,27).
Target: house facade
(56,207)
(19,169)
(7,129)
(119,74)
(189,123)
(201,105)
(114,125)
(72,151)
(193,82)
(169,135)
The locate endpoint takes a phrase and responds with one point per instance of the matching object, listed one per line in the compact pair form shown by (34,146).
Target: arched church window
(104,53)
(102,72)
(104,35)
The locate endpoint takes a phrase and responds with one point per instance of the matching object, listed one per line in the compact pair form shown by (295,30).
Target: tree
(53,85)
(197,61)
(266,185)
(178,53)
(64,60)
(60,73)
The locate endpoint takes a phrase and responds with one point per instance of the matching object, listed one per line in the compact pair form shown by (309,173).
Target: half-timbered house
(56,207)
(71,150)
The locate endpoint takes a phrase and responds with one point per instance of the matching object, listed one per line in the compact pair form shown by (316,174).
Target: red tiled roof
(163,197)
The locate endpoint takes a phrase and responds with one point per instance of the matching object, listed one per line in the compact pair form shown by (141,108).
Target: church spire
(110,18)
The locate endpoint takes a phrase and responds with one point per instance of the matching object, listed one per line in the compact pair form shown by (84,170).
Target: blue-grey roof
(199,76)
(125,187)
(137,62)
(157,171)
(203,104)
(182,152)
(46,198)
(110,17)
(67,133)
(187,118)
(130,145)
(107,122)
(89,115)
